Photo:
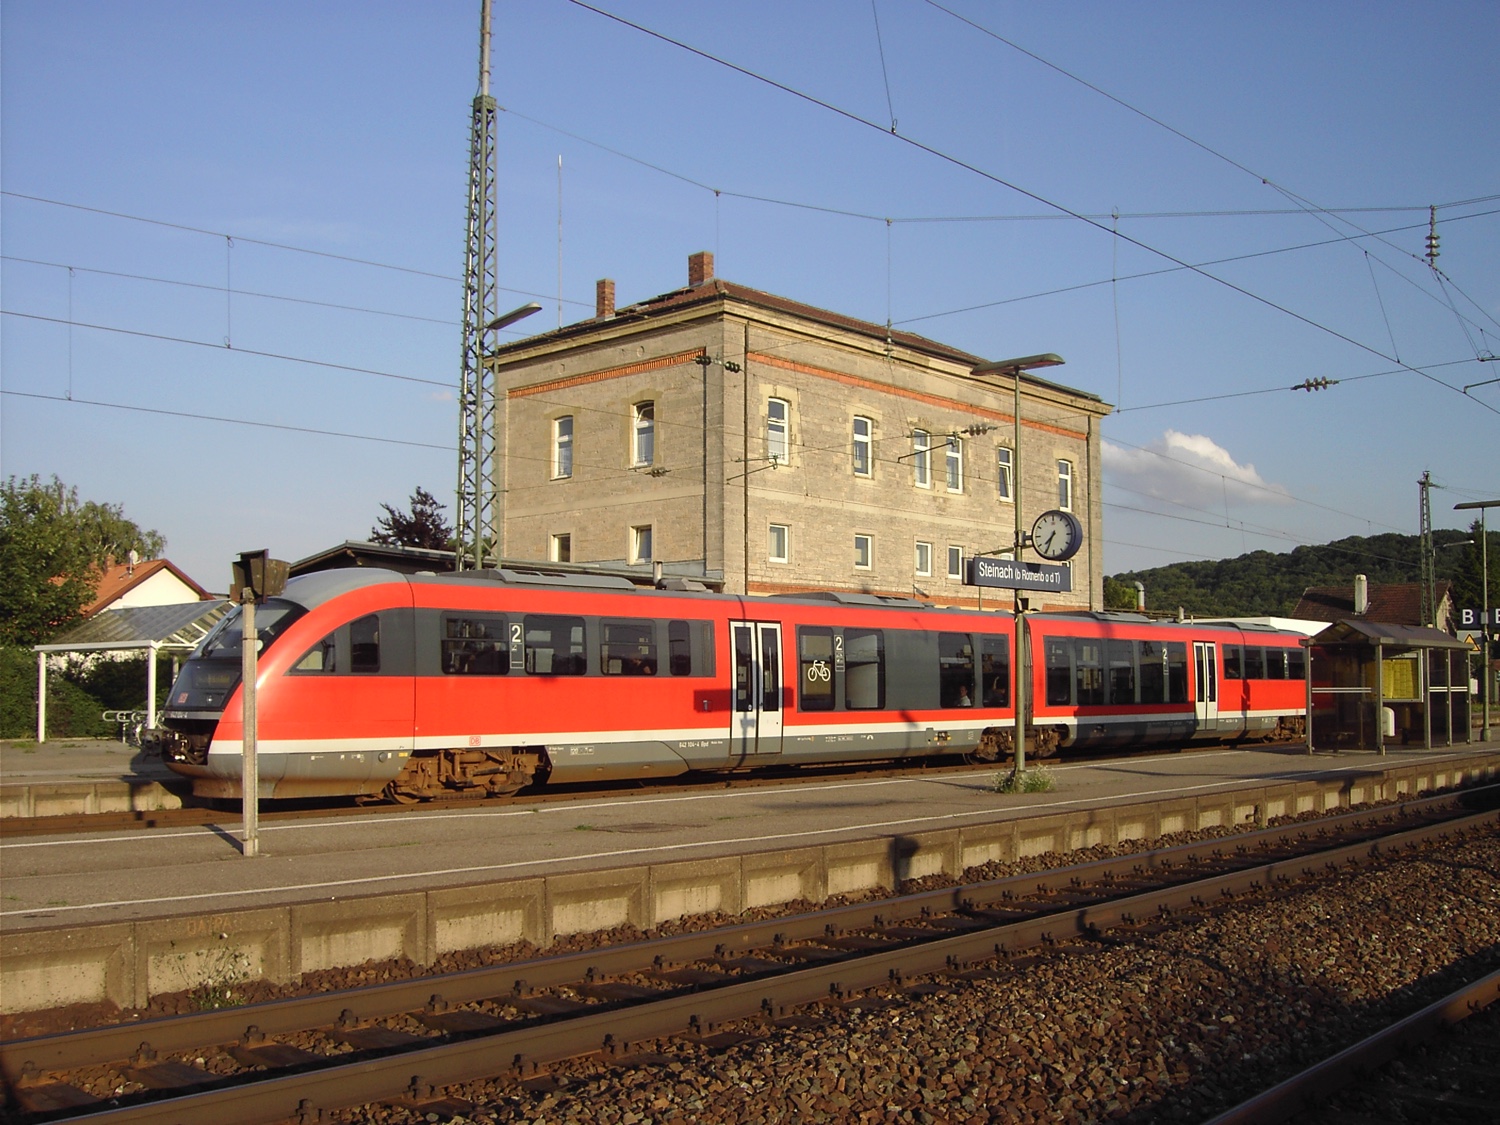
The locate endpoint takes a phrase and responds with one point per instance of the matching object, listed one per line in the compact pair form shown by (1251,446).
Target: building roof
(1398,603)
(360,552)
(716,290)
(118,579)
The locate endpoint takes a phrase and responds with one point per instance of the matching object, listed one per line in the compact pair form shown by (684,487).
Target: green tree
(52,547)
(423,526)
(1118,595)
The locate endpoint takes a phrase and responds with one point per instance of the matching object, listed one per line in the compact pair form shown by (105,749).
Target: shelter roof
(170,627)
(1362,631)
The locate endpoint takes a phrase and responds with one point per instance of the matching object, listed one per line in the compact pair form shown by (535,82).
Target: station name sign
(1474,619)
(1008,574)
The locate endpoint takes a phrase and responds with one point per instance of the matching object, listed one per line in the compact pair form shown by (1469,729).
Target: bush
(72,712)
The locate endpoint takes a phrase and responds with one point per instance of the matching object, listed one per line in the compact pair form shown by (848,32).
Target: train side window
(994,670)
(554,645)
(322,657)
(1152,658)
(1059,672)
(744,658)
(475,646)
(955,670)
(1089,672)
(864,669)
(628,648)
(1177,662)
(815,659)
(680,648)
(364,644)
(1296,664)
(1119,656)
(1232,662)
(1275,663)
(1255,662)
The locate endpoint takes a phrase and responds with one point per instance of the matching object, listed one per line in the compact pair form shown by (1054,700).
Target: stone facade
(770,446)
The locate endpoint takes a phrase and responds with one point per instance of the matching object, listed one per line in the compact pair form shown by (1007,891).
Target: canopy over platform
(153,629)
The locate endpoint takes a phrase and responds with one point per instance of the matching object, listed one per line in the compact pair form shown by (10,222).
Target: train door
(757,690)
(1206,663)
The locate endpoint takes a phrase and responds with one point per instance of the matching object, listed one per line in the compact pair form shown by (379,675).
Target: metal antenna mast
(478,497)
(1429,562)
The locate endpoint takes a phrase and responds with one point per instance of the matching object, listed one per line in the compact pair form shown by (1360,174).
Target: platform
(124,916)
(79,776)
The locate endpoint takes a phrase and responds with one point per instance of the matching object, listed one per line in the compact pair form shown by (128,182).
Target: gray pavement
(27,762)
(117,877)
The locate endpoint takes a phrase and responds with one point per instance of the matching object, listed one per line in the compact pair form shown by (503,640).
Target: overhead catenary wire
(200,417)
(959,162)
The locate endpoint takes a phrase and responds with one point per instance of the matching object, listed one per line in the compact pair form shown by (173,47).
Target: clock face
(1057,535)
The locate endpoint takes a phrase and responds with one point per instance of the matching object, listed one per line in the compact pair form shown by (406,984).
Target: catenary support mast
(478,498)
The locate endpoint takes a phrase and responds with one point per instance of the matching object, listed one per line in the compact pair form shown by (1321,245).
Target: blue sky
(303,169)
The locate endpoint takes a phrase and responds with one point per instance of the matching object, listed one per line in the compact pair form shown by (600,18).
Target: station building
(766,446)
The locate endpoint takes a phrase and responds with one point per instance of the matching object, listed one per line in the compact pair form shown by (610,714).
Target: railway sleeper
(477,772)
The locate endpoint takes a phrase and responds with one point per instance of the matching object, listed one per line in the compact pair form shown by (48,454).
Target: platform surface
(24,762)
(116,877)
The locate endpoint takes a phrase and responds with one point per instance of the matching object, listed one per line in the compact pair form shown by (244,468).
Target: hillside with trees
(1267,584)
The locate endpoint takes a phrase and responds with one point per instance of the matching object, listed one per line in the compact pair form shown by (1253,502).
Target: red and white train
(376,683)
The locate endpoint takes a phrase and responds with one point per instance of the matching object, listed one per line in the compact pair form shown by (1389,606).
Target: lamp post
(1485,624)
(1013,368)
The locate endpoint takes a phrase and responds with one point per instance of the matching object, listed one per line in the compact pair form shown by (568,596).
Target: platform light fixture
(1013,368)
(1486,663)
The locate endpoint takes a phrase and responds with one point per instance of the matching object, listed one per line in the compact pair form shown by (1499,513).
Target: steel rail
(1300,1092)
(184,1032)
(612,1030)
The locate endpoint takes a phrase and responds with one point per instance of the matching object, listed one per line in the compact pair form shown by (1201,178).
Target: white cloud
(1189,469)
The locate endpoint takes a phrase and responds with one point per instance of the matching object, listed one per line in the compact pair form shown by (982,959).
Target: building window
(561,548)
(955,463)
(1005,475)
(924,560)
(921,461)
(562,447)
(643,440)
(864,551)
(956,562)
(863,464)
(1065,485)
(780,541)
(640,544)
(777,412)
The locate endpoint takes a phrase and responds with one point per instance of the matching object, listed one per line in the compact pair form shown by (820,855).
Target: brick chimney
(604,298)
(700,267)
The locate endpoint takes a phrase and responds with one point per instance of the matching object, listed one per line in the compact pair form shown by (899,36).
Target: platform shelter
(1371,682)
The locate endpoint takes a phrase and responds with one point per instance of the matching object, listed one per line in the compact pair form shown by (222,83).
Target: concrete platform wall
(128,963)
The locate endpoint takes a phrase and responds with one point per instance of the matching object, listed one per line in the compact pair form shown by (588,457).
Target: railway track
(1303,1097)
(227,814)
(403,1043)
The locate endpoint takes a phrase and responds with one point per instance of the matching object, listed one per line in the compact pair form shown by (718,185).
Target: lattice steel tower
(477,495)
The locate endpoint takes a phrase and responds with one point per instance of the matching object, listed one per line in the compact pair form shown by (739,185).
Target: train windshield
(226,640)
(209,678)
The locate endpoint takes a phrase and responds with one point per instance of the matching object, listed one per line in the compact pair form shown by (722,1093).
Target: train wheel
(400,796)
